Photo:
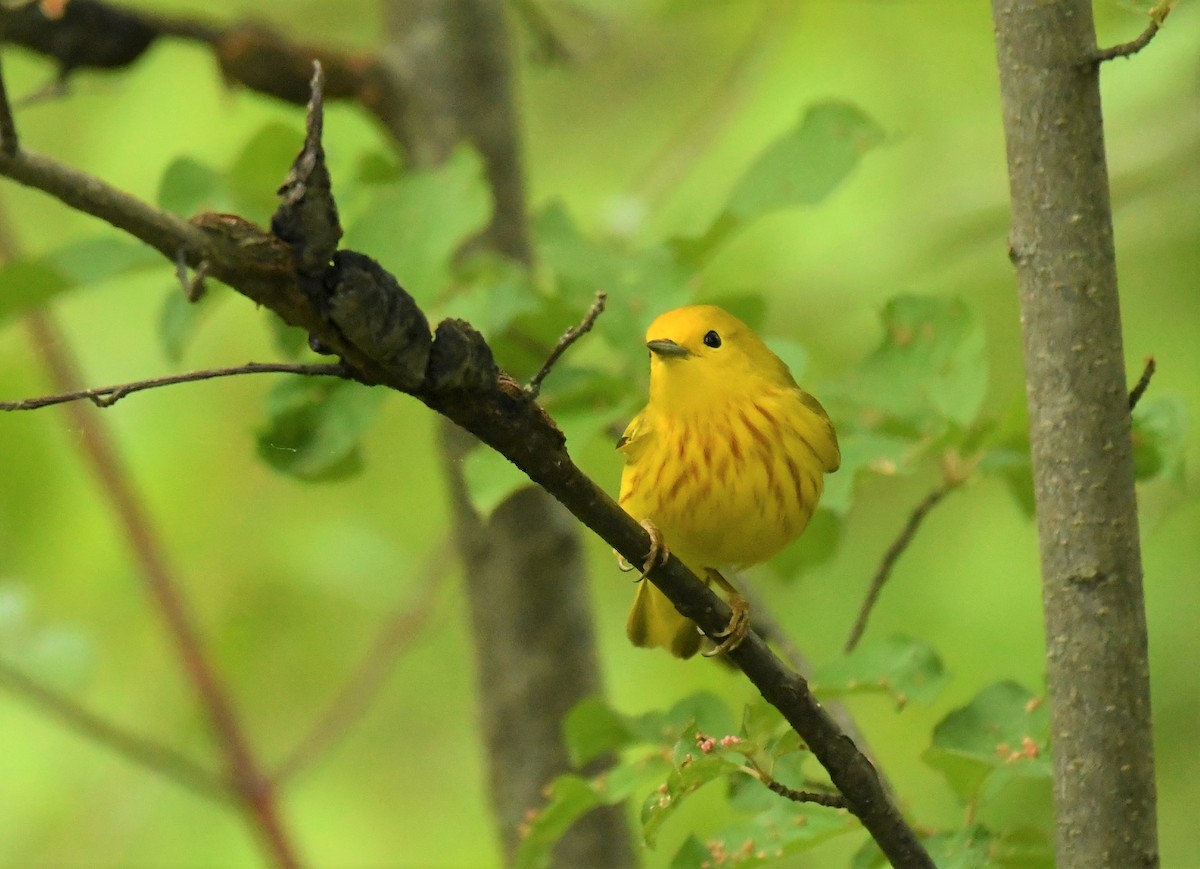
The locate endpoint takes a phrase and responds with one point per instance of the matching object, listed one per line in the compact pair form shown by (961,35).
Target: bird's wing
(820,435)
(636,436)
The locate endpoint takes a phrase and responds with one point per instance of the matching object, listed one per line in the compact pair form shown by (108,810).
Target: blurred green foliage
(832,173)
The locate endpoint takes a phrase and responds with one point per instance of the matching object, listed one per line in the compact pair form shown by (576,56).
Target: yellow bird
(724,465)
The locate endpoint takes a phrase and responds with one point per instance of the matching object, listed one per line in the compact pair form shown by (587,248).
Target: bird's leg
(739,619)
(657,555)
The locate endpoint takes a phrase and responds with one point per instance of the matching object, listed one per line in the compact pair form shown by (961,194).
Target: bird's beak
(667,349)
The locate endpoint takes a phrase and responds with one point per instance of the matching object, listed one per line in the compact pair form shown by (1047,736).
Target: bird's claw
(739,617)
(658,554)
(735,632)
(656,557)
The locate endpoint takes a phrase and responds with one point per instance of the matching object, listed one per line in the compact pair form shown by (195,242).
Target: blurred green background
(641,138)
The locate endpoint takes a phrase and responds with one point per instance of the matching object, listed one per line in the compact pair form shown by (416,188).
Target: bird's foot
(657,555)
(739,618)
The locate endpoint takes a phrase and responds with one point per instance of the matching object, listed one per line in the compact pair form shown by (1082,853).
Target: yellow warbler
(724,465)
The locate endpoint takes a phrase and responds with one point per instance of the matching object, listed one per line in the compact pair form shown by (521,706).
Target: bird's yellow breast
(728,483)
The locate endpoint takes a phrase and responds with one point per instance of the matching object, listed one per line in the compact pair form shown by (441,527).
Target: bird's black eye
(712,339)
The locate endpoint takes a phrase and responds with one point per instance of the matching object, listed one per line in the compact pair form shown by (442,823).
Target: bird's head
(703,352)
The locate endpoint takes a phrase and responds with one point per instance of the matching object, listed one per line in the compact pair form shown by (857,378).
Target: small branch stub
(1139,388)
(569,337)
(1158,14)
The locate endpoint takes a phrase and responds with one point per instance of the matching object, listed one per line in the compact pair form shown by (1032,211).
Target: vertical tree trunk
(1062,246)
(530,617)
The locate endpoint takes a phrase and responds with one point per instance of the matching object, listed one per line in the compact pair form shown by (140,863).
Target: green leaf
(904,668)
(930,369)
(1160,430)
(1023,849)
(640,283)
(593,728)
(570,798)
(491,478)
(1011,463)
(864,450)
(416,226)
(180,318)
(290,341)
(815,546)
(1002,734)
(497,292)
(260,167)
(315,426)
(702,711)
(808,162)
(777,835)
(188,187)
(692,855)
(31,282)
(376,167)
(969,848)
(1008,455)
(691,773)
(802,167)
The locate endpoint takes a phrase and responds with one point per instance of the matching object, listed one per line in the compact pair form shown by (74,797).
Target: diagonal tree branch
(359,313)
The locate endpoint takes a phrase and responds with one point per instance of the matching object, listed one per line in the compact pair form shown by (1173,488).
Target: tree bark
(530,617)
(1062,247)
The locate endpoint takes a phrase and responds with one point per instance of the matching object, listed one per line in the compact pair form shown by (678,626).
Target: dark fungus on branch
(334,301)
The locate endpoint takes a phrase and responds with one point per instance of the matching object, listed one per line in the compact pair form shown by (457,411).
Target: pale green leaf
(903,668)
(315,426)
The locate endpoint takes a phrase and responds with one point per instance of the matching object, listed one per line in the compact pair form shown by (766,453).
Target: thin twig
(252,786)
(1158,15)
(893,554)
(569,337)
(161,759)
(355,696)
(821,798)
(1139,388)
(107,396)
(193,284)
(9,141)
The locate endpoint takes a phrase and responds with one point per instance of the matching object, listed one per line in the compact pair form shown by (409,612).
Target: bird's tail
(654,621)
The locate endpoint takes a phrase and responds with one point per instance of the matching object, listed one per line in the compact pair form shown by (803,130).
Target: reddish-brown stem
(251,784)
